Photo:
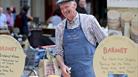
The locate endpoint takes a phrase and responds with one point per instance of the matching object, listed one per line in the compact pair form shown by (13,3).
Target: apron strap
(67,22)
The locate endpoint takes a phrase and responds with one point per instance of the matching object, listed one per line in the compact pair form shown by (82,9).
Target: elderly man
(3,19)
(76,38)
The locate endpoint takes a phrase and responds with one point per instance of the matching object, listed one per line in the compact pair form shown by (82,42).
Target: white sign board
(122,3)
(12,57)
(116,56)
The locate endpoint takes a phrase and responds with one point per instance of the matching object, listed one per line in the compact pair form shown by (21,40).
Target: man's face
(68,9)
(11,9)
(1,10)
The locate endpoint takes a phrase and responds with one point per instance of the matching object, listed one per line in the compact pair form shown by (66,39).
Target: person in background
(14,13)
(3,19)
(76,38)
(10,19)
(22,21)
(55,19)
(81,8)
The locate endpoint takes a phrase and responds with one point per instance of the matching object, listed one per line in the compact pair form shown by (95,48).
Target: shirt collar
(75,19)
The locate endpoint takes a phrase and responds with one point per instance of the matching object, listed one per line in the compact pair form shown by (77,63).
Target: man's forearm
(60,60)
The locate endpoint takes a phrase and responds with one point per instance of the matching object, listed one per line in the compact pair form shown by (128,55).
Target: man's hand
(65,71)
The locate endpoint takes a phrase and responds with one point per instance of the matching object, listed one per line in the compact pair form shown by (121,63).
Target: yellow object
(53,76)
(116,55)
(12,57)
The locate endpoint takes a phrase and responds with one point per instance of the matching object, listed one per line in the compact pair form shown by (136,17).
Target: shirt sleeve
(59,41)
(5,18)
(98,33)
